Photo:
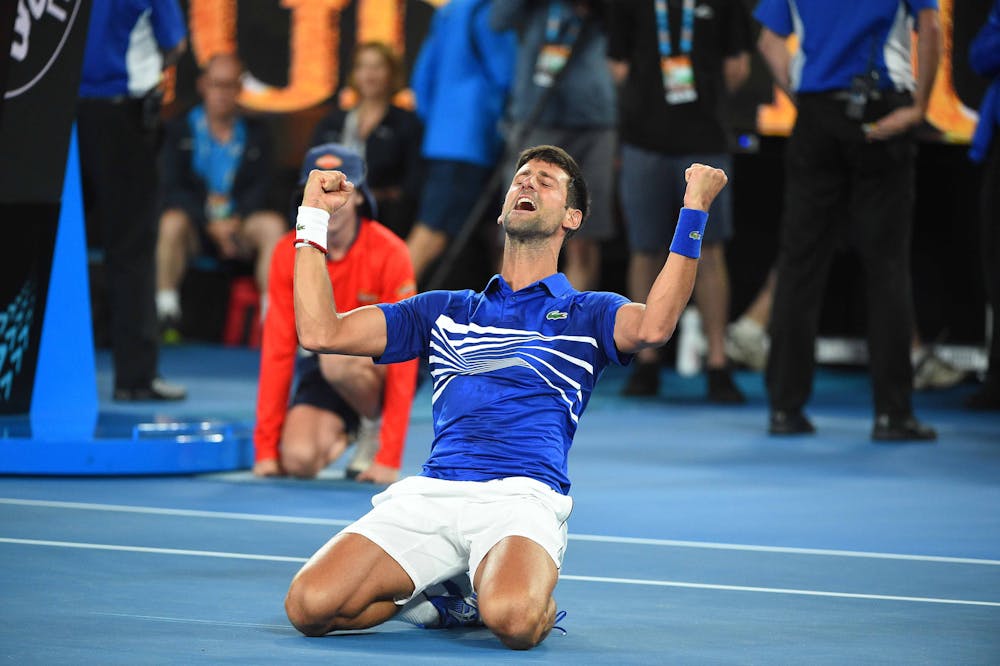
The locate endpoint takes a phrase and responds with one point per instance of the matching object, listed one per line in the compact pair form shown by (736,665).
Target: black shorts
(313,390)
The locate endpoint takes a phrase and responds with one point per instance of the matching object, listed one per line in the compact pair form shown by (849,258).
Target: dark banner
(45,42)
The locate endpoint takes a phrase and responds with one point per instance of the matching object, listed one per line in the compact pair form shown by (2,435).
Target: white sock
(420,612)
(168,303)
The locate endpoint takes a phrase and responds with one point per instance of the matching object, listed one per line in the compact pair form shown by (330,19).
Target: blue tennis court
(695,538)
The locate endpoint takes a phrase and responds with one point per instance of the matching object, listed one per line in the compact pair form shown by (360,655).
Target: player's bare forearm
(641,326)
(317,322)
(320,328)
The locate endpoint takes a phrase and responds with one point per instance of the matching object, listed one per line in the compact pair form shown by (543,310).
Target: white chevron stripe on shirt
(470,349)
(446,323)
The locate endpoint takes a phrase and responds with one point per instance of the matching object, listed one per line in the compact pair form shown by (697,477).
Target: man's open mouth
(524,203)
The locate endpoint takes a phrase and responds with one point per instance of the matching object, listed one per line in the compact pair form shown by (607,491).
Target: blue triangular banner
(64,398)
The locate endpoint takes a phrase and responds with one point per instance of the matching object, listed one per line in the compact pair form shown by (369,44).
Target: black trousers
(118,170)
(837,185)
(990,213)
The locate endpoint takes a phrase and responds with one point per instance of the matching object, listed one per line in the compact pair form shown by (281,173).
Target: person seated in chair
(216,175)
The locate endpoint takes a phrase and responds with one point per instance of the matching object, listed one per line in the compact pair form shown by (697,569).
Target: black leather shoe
(790,422)
(158,390)
(721,388)
(901,429)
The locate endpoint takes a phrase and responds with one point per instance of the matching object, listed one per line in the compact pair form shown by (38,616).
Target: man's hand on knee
(378,473)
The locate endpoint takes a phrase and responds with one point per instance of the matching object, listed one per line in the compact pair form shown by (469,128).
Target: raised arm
(319,326)
(639,326)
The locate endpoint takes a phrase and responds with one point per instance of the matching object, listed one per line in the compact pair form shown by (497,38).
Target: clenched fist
(703,184)
(327,190)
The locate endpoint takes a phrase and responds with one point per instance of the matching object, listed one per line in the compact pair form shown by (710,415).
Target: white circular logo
(41,28)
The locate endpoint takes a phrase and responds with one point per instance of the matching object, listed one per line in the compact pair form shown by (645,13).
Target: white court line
(192,513)
(782,549)
(573,537)
(147,549)
(191,620)
(586,579)
(777,590)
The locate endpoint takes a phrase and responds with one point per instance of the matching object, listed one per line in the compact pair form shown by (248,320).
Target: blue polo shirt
(843,38)
(124,39)
(512,372)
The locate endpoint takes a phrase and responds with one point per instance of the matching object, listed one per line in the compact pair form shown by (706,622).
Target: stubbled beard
(528,231)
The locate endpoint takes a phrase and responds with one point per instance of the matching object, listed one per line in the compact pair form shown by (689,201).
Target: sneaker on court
(456,611)
(366,445)
(933,372)
(747,343)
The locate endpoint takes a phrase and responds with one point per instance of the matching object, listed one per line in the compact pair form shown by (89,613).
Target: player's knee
(299,460)
(519,623)
(306,608)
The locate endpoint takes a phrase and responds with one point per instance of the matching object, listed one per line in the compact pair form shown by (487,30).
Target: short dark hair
(577,195)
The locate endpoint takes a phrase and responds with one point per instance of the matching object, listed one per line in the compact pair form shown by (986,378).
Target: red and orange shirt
(376,269)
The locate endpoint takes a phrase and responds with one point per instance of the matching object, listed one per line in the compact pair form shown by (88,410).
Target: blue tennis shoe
(457,611)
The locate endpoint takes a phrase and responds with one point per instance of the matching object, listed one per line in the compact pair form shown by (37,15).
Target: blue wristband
(690,229)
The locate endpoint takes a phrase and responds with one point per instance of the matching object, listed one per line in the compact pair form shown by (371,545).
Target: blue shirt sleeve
(168,23)
(775,15)
(604,306)
(408,325)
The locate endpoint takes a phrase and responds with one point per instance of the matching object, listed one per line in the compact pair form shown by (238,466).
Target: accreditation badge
(551,60)
(678,79)
(218,206)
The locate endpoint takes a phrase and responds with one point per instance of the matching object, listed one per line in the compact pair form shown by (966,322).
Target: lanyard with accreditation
(678,75)
(561,30)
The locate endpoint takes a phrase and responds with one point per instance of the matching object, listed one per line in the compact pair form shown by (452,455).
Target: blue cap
(338,157)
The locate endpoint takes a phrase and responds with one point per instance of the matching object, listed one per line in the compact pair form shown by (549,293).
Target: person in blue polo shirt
(858,102)
(513,367)
(129,42)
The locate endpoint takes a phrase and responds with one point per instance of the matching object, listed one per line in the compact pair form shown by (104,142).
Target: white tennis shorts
(436,529)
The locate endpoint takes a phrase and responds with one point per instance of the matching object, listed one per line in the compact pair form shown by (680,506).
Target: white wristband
(310,227)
